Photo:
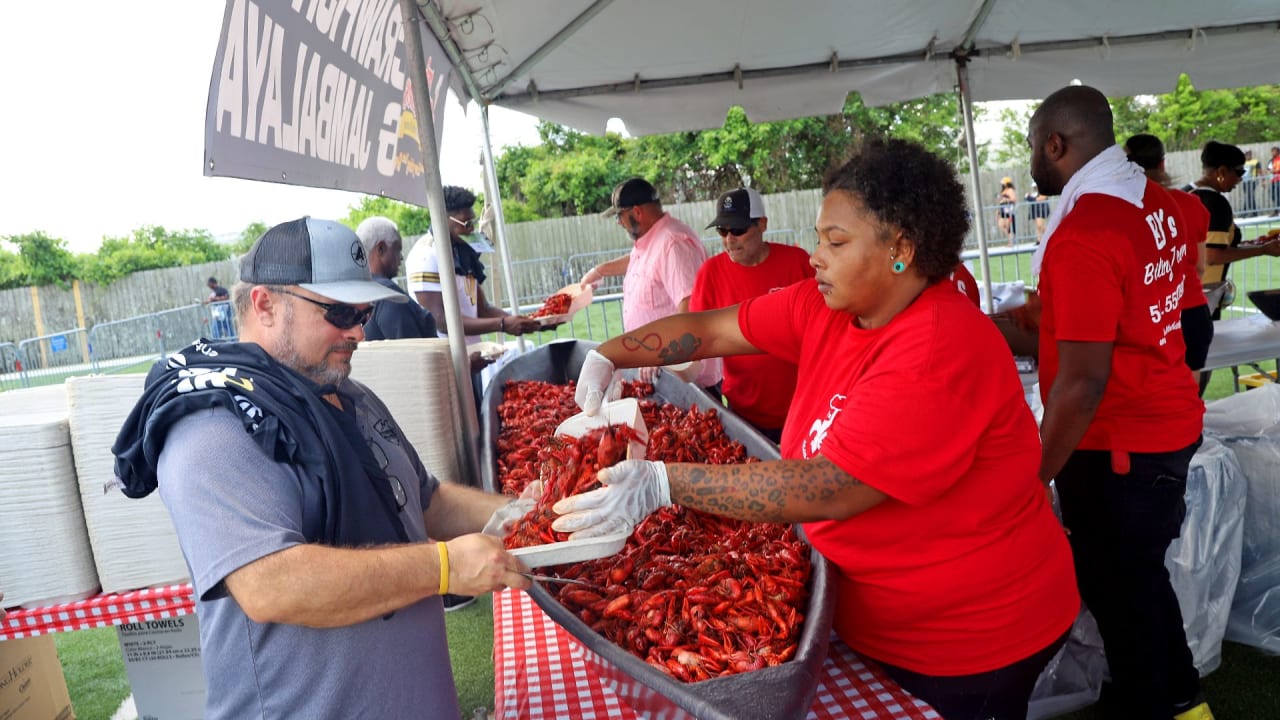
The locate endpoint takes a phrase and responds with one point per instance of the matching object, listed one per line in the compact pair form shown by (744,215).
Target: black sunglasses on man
(339,315)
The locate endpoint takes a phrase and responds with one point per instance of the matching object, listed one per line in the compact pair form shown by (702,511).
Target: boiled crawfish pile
(557,304)
(568,467)
(695,595)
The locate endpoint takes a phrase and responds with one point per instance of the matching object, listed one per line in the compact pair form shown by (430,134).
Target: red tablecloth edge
(543,675)
(99,611)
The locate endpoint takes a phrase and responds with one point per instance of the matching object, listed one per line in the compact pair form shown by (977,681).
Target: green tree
(1259,114)
(11,273)
(1011,147)
(41,260)
(1132,115)
(248,237)
(148,248)
(1184,119)
(411,219)
(571,173)
(1187,118)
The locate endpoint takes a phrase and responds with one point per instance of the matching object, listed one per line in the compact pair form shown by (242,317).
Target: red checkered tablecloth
(99,611)
(540,673)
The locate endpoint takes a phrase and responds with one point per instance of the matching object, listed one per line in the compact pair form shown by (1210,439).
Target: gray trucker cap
(322,256)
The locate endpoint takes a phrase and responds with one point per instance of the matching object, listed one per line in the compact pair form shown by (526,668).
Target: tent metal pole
(439,27)
(499,221)
(971,144)
(468,439)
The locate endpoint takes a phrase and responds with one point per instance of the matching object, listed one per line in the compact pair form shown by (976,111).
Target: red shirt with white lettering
(962,280)
(1195,226)
(1115,273)
(963,568)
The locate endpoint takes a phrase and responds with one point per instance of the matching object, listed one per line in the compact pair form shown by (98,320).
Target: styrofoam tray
(582,296)
(488,350)
(625,411)
(571,551)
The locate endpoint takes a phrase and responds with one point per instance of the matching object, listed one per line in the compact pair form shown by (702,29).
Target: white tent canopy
(667,65)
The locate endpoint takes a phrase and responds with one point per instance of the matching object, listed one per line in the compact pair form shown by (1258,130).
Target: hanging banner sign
(315,93)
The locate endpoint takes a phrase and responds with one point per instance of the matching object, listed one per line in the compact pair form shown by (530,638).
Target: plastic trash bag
(1249,424)
(1204,562)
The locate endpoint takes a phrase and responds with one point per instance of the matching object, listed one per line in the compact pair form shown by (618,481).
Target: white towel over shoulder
(1108,173)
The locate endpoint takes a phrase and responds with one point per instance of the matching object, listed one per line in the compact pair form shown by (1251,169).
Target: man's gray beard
(287,354)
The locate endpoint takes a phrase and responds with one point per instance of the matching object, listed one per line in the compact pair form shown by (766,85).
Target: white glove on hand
(597,382)
(503,518)
(632,490)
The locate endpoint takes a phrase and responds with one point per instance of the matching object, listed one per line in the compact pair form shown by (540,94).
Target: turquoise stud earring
(899,266)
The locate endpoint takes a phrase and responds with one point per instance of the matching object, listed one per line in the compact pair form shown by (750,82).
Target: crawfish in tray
(568,466)
(557,304)
(694,595)
(529,412)
(698,596)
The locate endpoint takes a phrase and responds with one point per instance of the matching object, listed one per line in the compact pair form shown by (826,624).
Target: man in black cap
(659,272)
(302,510)
(757,387)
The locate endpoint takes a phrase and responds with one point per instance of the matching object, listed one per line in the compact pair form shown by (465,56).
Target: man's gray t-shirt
(231,505)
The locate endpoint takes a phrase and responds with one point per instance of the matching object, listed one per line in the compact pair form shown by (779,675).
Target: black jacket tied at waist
(347,498)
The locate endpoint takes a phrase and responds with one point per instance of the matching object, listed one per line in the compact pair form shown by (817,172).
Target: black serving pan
(784,691)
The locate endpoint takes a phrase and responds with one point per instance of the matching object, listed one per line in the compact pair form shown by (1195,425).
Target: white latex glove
(597,382)
(632,490)
(503,518)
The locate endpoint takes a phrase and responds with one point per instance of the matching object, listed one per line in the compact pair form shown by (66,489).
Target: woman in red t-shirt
(911,456)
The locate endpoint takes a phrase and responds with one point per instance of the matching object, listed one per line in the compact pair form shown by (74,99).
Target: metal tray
(784,691)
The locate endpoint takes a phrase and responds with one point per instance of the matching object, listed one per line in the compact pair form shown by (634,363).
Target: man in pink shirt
(658,275)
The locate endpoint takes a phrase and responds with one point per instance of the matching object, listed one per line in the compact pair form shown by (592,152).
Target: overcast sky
(102,129)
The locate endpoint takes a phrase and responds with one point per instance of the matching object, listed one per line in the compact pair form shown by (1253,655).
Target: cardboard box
(162,659)
(31,683)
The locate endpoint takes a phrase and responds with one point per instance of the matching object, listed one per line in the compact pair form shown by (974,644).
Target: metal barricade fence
(10,378)
(538,279)
(182,326)
(221,322)
(580,263)
(52,358)
(123,344)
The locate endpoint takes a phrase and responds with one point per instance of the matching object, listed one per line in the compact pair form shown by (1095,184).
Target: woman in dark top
(1223,169)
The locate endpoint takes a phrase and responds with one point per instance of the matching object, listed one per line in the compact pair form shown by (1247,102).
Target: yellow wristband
(444,567)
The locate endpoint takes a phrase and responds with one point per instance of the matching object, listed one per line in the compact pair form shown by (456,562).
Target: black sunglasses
(736,233)
(339,315)
(1239,171)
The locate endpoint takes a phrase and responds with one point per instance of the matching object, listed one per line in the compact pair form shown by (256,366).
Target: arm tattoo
(668,353)
(772,491)
(680,349)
